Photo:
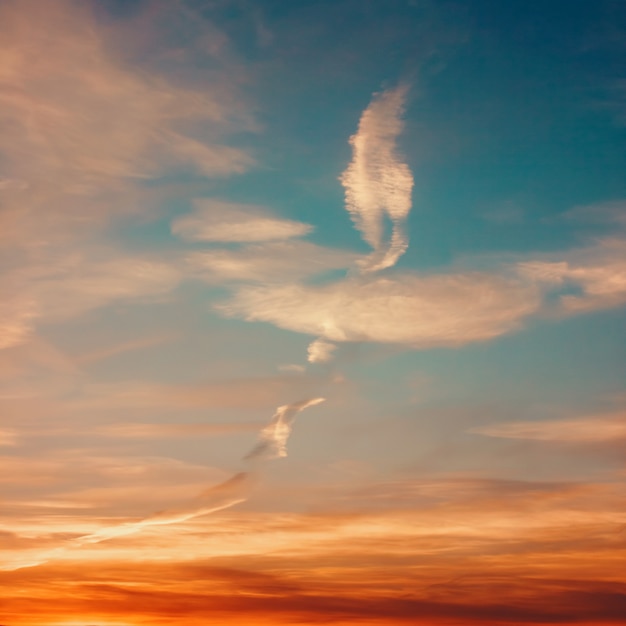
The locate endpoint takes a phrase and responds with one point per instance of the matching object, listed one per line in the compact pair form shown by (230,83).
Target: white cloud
(220,221)
(320,351)
(417,311)
(273,438)
(376,182)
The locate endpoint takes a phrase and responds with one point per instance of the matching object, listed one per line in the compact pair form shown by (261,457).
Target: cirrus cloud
(231,222)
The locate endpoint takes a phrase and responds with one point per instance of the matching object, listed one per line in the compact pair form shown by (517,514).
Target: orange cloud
(468,556)
(590,429)
(83,127)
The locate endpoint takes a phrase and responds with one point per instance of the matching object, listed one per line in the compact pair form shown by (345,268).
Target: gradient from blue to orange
(215,215)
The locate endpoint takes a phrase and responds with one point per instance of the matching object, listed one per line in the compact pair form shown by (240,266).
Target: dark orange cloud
(201,594)
(465,552)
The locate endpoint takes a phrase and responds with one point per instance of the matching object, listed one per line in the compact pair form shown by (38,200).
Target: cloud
(273,438)
(489,552)
(320,351)
(611,213)
(268,262)
(595,276)
(153,430)
(272,443)
(78,150)
(413,310)
(221,221)
(421,310)
(7,437)
(377,183)
(75,283)
(590,429)
(222,496)
(100,119)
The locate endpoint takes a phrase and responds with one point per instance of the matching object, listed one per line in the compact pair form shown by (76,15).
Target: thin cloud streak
(445,549)
(272,444)
(151,430)
(229,222)
(377,183)
(591,429)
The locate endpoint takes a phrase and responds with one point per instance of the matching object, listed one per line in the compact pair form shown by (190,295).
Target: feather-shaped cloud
(377,183)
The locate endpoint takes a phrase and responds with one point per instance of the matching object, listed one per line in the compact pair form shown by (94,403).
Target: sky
(312,312)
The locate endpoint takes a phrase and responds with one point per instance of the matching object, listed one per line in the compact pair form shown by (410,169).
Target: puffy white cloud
(377,182)
(220,221)
(320,351)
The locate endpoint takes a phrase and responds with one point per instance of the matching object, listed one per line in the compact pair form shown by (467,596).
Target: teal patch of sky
(510,120)
(577,362)
(315,76)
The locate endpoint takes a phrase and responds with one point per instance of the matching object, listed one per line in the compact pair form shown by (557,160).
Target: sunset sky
(312,312)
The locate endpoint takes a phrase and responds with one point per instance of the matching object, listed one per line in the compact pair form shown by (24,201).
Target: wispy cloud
(268,262)
(273,438)
(8,437)
(72,284)
(221,221)
(147,430)
(78,150)
(417,311)
(272,444)
(490,552)
(590,429)
(611,213)
(222,496)
(99,120)
(377,182)
(590,279)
